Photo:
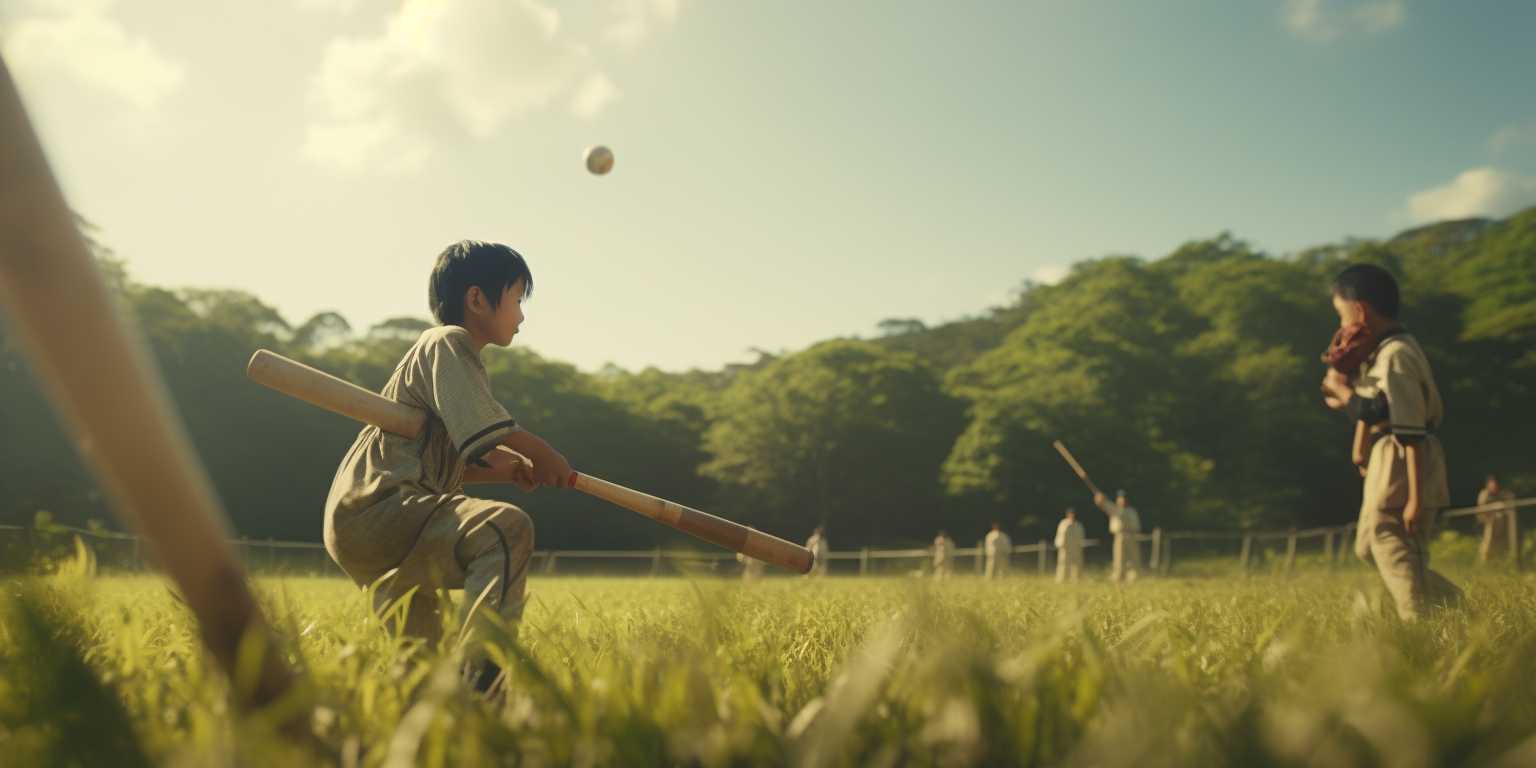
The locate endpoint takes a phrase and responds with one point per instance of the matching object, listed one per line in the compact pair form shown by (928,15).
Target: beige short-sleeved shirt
(1400,370)
(998,543)
(943,550)
(443,375)
(1121,519)
(1070,534)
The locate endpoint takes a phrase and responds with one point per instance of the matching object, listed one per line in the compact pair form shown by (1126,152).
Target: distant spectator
(943,557)
(819,548)
(999,550)
(1069,548)
(1495,522)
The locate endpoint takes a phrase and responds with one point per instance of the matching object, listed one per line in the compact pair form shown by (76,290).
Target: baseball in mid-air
(599,159)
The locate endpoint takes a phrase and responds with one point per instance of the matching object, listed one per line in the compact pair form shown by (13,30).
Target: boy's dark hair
(491,266)
(1370,284)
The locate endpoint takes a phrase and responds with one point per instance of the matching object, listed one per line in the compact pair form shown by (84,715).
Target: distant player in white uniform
(752,569)
(1495,523)
(943,557)
(1125,525)
(1070,535)
(999,549)
(819,548)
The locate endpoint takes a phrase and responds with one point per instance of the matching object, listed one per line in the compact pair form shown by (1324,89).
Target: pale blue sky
(786,171)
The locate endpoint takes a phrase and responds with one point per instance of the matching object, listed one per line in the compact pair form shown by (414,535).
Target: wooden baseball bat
(1066,454)
(96,372)
(333,394)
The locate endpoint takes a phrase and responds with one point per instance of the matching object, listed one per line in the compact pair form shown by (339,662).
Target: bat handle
(574,477)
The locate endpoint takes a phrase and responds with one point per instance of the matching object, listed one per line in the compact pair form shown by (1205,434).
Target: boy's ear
(1365,310)
(474,299)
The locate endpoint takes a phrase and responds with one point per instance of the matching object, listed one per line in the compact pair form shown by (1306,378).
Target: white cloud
(82,43)
(1321,20)
(594,93)
(1050,274)
(443,70)
(1512,137)
(326,6)
(1482,191)
(637,17)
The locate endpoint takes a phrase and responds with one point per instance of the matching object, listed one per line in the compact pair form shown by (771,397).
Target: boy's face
(1350,312)
(508,316)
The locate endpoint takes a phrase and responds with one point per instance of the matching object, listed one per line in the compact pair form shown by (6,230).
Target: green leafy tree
(844,434)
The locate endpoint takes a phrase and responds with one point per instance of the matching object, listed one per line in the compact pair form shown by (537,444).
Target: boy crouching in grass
(397,512)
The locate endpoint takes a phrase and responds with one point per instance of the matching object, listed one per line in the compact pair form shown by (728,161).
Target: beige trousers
(433,543)
(1495,543)
(1402,558)
(1127,553)
(1069,564)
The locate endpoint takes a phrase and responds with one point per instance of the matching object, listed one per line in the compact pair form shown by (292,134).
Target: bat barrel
(333,394)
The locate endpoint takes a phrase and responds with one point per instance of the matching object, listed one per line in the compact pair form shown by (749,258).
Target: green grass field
(868,672)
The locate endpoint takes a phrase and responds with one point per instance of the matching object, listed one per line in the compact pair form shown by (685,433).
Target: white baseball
(599,159)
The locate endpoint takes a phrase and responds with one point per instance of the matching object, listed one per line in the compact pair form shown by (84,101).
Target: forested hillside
(1190,380)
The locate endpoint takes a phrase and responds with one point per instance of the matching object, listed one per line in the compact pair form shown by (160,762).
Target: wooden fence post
(1513,523)
(1242,562)
(864,561)
(656,562)
(1328,549)
(1041,558)
(1167,555)
(980,545)
(1290,555)
(1157,549)
(549,563)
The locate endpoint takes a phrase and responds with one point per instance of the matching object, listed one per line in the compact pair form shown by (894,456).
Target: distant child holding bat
(397,512)
(1389,391)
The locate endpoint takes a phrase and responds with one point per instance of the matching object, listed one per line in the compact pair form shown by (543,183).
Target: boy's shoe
(482,677)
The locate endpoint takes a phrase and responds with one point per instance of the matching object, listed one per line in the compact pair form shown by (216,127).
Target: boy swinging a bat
(397,514)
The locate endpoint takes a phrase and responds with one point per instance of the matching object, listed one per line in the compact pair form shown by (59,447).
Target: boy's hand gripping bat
(333,394)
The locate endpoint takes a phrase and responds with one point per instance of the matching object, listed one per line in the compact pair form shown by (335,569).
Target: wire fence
(1183,553)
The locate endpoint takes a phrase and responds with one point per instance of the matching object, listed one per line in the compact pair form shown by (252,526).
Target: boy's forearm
(529,444)
(1360,451)
(474,475)
(1413,455)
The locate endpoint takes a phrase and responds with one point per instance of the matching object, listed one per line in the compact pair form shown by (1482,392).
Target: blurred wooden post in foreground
(99,377)
(1247,551)
(1511,520)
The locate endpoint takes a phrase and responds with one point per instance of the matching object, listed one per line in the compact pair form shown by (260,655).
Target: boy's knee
(506,526)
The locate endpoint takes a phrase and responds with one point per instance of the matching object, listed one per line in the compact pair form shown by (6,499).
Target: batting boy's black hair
(1370,284)
(491,266)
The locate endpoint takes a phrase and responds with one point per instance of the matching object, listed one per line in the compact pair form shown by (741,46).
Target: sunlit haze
(785,172)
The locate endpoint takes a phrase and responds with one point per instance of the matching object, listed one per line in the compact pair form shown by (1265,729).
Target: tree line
(1188,380)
